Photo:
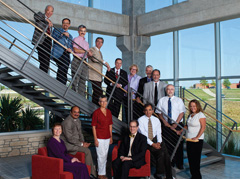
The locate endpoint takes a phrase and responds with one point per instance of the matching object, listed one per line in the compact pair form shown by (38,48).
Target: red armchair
(144,171)
(52,168)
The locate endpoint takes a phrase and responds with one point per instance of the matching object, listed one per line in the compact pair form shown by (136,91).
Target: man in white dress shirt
(150,126)
(174,109)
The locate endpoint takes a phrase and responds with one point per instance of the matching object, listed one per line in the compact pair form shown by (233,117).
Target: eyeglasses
(132,126)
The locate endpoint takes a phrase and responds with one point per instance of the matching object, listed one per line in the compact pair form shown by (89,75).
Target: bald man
(45,44)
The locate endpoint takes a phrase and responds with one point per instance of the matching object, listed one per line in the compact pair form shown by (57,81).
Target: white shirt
(156,125)
(117,70)
(194,125)
(154,84)
(177,107)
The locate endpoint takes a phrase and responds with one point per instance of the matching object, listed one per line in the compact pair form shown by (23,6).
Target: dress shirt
(154,84)
(82,42)
(130,145)
(194,125)
(100,53)
(156,127)
(133,84)
(177,107)
(117,70)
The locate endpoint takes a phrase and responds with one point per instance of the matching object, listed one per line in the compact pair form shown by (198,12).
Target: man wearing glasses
(131,153)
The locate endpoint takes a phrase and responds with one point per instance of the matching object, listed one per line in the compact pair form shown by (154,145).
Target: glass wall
(160,54)
(197,52)
(108,5)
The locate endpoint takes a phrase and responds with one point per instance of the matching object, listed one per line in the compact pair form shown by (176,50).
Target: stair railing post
(34,48)
(12,44)
(114,87)
(176,147)
(227,138)
(78,69)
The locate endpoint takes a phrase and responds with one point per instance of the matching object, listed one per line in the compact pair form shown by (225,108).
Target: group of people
(149,93)
(144,134)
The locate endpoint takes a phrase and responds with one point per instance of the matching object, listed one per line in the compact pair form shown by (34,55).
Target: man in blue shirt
(60,54)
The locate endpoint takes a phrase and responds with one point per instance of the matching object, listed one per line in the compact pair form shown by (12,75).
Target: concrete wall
(22,144)
(96,21)
(187,14)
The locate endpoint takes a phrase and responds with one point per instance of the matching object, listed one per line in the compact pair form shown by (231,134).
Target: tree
(204,82)
(226,83)
(213,83)
(10,109)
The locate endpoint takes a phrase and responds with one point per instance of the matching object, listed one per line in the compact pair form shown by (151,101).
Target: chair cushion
(43,151)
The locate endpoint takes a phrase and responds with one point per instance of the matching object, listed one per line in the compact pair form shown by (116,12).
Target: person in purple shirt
(79,47)
(56,148)
(133,81)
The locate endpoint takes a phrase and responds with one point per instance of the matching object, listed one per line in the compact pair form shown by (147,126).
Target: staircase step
(24,84)
(207,161)
(56,104)
(5,70)
(9,78)
(45,98)
(35,91)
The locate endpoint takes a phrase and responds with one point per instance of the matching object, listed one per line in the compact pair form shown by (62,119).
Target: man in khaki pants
(74,139)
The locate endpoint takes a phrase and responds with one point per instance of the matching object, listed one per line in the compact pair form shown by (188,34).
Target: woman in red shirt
(102,132)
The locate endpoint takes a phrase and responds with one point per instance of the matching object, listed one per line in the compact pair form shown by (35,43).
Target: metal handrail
(210,105)
(217,119)
(59,43)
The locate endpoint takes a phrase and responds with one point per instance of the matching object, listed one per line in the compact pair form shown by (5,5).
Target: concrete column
(133,47)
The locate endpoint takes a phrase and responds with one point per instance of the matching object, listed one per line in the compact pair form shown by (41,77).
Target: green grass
(201,94)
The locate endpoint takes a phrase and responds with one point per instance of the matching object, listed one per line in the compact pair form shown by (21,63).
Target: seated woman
(56,148)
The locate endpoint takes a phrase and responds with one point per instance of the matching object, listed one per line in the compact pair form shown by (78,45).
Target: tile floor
(19,167)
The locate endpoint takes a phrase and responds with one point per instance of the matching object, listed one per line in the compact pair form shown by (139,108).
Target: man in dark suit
(117,98)
(137,105)
(131,153)
(45,44)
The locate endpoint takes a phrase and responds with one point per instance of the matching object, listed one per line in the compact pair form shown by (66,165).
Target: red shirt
(102,123)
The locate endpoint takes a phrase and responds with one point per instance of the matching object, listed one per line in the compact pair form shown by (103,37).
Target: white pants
(102,153)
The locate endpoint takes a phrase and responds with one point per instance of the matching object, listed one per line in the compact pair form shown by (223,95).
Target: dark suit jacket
(141,85)
(118,93)
(138,150)
(42,24)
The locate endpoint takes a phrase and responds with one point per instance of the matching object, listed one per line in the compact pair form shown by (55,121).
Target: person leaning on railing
(79,48)
(56,148)
(45,44)
(196,124)
(60,55)
(133,81)
(96,60)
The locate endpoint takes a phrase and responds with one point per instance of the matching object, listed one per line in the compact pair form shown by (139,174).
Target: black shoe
(92,177)
(157,176)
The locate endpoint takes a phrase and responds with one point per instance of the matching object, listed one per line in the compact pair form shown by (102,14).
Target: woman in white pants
(102,132)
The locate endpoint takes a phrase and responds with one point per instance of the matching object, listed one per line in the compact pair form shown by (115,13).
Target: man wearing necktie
(131,153)
(60,54)
(96,61)
(154,90)
(174,109)
(45,44)
(150,126)
(118,95)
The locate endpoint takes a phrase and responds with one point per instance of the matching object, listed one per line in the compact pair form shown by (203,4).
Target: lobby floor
(20,167)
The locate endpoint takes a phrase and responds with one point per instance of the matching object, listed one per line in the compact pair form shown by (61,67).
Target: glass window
(160,54)
(78,2)
(152,5)
(230,49)
(108,5)
(197,52)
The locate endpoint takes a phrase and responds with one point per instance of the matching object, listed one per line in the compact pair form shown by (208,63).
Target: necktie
(150,130)
(156,95)
(148,79)
(131,142)
(169,110)
(116,75)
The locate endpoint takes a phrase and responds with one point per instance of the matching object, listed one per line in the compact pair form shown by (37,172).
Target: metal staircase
(40,83)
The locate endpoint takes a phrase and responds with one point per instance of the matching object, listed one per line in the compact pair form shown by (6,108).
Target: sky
(196,45)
